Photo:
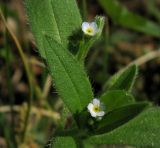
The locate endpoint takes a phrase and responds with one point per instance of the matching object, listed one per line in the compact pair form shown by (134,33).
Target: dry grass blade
(27,69)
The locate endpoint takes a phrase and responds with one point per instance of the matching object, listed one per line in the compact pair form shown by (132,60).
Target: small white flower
(90,28)
(96,108)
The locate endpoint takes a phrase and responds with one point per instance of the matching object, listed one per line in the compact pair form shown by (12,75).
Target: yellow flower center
(89,30)
(96,108)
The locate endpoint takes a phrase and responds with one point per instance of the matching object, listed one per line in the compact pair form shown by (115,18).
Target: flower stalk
(93,31)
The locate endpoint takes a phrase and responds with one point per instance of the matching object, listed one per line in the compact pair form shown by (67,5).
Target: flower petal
(93,114)
(94,26)
(96,102)
(101,113)
(90,106)
(85,25)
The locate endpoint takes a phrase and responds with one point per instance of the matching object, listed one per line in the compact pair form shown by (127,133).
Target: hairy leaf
(124,17)
(58,18)
(87,145)
(122,80)
(115,99)
(63,142)
(70,80)
(120,116)
(142,131)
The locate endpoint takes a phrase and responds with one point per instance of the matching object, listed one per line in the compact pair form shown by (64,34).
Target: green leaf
(142,131)
(63,142)
(70,80)
(122,80)
(115,99)
(87,145)
(58,18)
(124,17)
(120,116)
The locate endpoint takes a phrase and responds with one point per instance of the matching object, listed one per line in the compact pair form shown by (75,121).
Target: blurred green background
(131,34)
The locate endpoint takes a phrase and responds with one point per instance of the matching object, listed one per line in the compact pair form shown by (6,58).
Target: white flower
(90,28)
(96,108)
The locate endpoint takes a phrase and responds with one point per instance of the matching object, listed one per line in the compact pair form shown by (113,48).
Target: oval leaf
(62,142)
(70,80)
(142,131)
(120,116)
(123,80)
(58,18)
(115,99)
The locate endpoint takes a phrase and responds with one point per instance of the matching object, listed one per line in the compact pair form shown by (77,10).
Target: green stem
(84,49)
(92,59)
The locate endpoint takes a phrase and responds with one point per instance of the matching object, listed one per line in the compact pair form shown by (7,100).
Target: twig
(144,59)
(36,62)
(47,86)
